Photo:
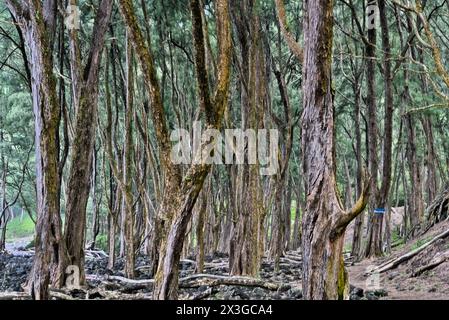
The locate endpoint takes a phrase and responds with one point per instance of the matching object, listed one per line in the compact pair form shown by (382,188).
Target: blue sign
(379,211)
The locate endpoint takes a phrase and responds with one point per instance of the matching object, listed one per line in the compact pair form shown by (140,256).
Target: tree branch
(291,42)
(346,218)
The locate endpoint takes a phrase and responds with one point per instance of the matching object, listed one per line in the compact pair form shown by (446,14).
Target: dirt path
(399,285)
(398,282)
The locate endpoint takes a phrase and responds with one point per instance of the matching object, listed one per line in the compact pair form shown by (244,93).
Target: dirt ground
(398,282)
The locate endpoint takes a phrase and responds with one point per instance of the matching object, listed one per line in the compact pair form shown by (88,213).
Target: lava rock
(284,288)
(295,293)
(355,293)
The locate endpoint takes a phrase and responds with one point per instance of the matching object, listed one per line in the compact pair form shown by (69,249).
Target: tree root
(215,280)
(95,254)
(58,294)
(193,281)
(14,296)
(125,284)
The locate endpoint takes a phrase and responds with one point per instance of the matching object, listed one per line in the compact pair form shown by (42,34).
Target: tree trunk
(127,167)
(166,280)
(244,248)
(384,193)
(432,183)
(416,204)
(79,182)
(324,221)
(202,208)
(37,24)
(357,249)
(96,202)
(373,246)
(3,203)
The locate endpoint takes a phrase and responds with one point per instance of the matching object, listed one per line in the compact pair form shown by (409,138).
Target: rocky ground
(14,270)
(398,283)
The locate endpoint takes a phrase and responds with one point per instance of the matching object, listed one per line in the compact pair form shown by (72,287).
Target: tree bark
(373,246)
(245,252)
(37,25)
(324,221)
(85,83)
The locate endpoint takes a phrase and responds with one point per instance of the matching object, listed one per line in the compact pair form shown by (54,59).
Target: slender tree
(37,23)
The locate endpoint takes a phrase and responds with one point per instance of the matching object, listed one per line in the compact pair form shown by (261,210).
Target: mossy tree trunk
(324,220)
(37,23)
(85,92)
(373,245)
(180,193)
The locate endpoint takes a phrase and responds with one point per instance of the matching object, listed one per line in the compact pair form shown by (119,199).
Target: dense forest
(224,149)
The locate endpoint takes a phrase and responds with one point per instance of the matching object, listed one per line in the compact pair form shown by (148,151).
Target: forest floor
(399,282)
(104,283)
(394,284)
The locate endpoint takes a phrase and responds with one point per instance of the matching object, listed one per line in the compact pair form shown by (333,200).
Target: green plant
(102,242)
(420,243)
(19,228)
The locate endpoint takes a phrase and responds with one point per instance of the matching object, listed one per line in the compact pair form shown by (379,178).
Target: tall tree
(181,193)
(324,221)
(85,93)
(245,252)
(37,23)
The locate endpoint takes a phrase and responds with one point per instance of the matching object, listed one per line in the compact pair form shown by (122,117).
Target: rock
(227,294)
(392,275)
(288,271)
(184,266)
(202,288)
(220,255)
(14,271)
(355,293)
(276,296)
(257,293)
(30,245)
(284,288)
(295,293)
(379,293)
(241,294)
(371,296)
(95,295)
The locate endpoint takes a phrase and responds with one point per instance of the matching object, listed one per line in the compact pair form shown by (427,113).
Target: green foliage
(102,242)
(420,242)
(20,228)
(396,239)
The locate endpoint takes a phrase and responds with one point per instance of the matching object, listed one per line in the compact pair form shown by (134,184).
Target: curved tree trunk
(324,221)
